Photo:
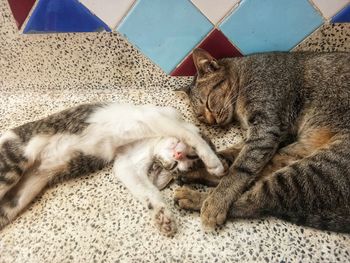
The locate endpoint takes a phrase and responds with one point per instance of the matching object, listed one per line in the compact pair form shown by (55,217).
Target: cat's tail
(331,221)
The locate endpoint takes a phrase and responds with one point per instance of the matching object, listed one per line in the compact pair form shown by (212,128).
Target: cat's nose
(209,117)
(178,155)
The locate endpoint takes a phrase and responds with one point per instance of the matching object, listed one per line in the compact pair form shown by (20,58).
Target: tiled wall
(167,31)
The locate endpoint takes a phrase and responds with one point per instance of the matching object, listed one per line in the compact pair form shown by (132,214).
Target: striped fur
(146,143)
(295,108)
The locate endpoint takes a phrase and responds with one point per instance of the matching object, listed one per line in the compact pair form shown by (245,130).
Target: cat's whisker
(281,94)
(228,102)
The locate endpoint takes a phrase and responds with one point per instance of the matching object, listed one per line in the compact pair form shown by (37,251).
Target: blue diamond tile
(165,30)
(63,16)
(270,25)
(343,16)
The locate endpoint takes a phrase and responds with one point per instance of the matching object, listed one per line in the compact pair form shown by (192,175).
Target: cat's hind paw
(164,221)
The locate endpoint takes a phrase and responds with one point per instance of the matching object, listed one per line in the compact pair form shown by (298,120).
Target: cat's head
(214,89)
(175,155)
(172,157)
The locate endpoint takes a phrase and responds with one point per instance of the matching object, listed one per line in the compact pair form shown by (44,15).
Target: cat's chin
(225,123)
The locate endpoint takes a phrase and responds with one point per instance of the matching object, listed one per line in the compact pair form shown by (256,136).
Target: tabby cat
(295,161)
(147,144)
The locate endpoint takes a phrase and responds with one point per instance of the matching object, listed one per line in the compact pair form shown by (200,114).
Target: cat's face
(175,156)
(212,92)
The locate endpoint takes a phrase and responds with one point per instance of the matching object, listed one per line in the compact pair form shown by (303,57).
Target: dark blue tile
(343,16)
(63,16)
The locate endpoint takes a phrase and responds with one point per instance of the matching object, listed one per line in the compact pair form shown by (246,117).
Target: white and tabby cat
(146,143)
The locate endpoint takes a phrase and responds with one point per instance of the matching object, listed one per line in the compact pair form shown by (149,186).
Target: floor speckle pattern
(329,37)
(94,218)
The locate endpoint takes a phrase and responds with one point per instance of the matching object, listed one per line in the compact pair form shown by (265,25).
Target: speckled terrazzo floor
(94,218)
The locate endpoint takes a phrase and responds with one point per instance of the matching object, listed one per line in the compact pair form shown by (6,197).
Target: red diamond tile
(20,10)
(216,44)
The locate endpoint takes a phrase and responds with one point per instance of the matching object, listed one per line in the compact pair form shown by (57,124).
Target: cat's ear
(162,179)
(204,62)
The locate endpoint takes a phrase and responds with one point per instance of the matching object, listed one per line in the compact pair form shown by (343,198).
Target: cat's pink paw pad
(165,222)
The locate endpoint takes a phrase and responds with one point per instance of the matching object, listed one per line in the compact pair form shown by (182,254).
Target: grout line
(229,12)
(313,4)
(28,17)
(123,18)
(197,45)
(34,7)
(214,27)
(94,14)
(307,37)
(340,10)
(226,16)
(200,11)
(233,44)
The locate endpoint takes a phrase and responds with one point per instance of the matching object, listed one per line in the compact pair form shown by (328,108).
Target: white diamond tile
(329,8)
(215,10)
(109,11)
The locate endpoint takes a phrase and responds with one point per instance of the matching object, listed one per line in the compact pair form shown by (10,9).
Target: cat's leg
(259,148)
(12,162)
(308,142)
(249,204)
(163,125)
(198,173)
(29,186)
(8,177)
(315,184)
(198,176)
(20,196)
(255,155)
(189,199)
(143,189)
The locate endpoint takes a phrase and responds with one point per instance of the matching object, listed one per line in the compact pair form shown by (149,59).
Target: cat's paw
(215,167)
(189,199)
(214,210)
(165,222)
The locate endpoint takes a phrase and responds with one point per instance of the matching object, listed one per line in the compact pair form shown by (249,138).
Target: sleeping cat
(146,143)
(295,108)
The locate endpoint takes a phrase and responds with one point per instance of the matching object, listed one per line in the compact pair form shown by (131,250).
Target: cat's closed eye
(173,166)
(192,157)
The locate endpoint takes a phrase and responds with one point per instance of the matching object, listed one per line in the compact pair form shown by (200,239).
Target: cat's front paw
(214,210)
(165,222)
(189,199)
(215,167)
